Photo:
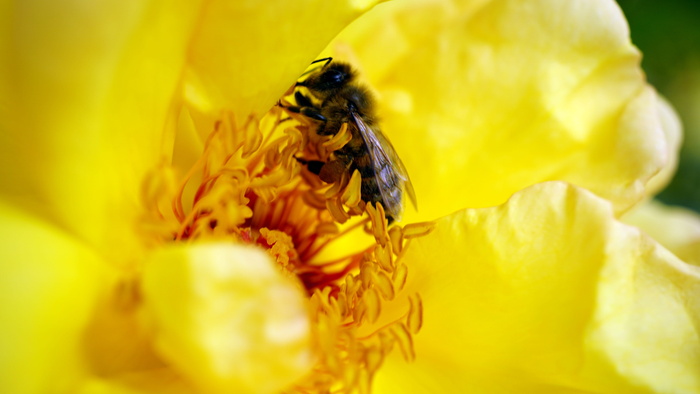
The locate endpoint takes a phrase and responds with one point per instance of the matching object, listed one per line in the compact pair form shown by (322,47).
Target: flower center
(248,186)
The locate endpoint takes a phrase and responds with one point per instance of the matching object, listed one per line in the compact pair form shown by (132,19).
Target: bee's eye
(333,78)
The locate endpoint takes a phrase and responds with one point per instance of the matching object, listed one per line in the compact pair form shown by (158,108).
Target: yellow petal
(676,228)
(548,293)
(154,381)
(482,99)
(50,286)
(673,130)
(225,317)
(85,88)
(247,53)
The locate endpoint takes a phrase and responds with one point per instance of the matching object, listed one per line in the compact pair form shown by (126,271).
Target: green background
(668,35)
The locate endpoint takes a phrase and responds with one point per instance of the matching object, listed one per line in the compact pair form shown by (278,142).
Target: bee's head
(332,76)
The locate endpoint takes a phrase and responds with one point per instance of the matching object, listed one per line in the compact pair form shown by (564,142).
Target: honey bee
(334,98)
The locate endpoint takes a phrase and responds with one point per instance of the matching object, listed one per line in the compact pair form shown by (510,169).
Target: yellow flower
(136,171)
(676,228)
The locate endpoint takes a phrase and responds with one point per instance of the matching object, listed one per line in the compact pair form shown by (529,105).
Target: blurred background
(669,37)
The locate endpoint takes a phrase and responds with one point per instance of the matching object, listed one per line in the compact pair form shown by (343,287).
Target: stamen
(253,189)
(405,341)
(414,320)
(400,275)
(335,207)
(395,236)
(415,230)
(347,230)
(352,195)
(334,143)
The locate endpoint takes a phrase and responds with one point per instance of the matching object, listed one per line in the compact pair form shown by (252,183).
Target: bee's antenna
(325,59)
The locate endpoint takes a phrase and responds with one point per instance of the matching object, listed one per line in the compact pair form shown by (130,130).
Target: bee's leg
(389,219)
(333,171)
(314,166)
(309,112)
(329,172)
(302,100)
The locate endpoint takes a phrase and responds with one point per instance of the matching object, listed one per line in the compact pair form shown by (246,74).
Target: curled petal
(85,89)
(550,291)
(676,228)
(673,130)
(50,286)
(485,98)
(245,54)
(226,318)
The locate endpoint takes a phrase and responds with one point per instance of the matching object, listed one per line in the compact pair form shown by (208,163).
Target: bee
(335,98)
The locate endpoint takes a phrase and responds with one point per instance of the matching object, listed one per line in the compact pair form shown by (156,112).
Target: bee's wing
(382,154)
